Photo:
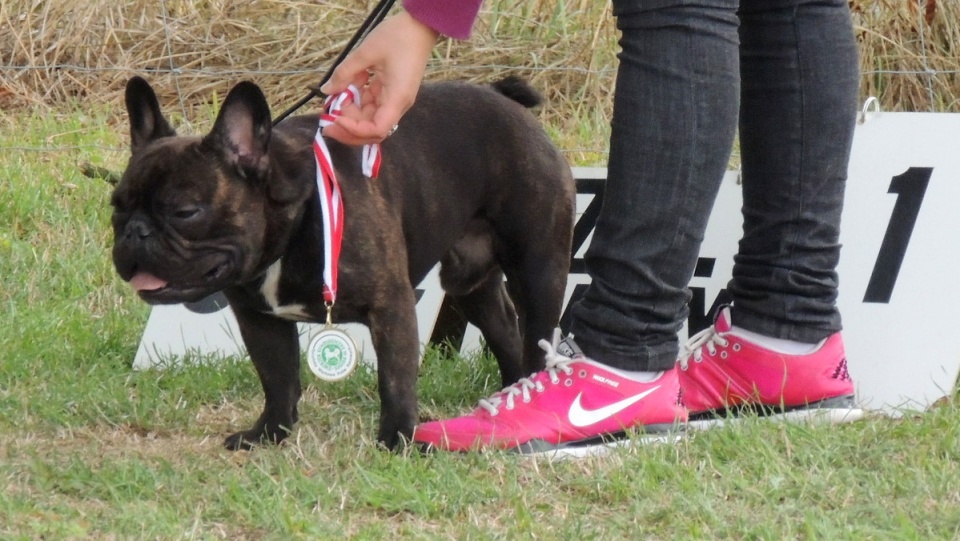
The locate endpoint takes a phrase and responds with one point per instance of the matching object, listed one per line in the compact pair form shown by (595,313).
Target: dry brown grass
(193,50)
(58,50)
(910,53)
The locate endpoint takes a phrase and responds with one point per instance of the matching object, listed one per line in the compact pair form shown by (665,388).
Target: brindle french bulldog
(470,180)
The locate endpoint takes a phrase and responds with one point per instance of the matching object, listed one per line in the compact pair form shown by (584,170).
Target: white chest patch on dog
(269,290)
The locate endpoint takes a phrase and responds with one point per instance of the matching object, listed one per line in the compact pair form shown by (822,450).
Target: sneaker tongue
(568,348)
(723,323)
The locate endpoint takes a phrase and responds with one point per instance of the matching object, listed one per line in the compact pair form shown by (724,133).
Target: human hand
(387,67)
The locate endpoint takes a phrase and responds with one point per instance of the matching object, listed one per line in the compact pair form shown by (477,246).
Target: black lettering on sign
(910,188)
(587,221)
(578,292)
(581,230)
(450,326)
(700,318)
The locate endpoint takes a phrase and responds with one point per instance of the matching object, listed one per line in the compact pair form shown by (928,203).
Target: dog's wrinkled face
(189,212)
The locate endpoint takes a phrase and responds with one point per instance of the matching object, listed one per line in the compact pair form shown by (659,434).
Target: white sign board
(899,268)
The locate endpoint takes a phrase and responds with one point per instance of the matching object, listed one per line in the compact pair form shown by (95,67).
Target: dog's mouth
(156,290)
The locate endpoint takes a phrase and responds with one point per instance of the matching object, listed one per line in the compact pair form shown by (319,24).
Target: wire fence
(47,61)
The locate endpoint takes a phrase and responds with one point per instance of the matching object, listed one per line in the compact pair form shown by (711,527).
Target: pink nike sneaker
(723,374)
(574,407)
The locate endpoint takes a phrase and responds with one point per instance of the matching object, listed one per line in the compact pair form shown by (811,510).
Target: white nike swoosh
(580,417)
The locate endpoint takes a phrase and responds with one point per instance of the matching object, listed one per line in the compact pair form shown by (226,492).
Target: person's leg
(674,121)
(778,348)
(800,76)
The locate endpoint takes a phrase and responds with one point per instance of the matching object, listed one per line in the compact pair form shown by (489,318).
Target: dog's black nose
(137,229)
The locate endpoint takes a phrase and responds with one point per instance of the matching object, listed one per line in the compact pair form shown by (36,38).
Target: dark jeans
(688,71)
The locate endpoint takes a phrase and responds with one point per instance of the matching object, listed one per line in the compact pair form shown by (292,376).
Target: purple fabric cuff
(453,18)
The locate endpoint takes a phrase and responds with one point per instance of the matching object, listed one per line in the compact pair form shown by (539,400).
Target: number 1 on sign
(910,188)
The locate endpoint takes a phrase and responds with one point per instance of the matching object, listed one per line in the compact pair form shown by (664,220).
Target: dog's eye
(186,212)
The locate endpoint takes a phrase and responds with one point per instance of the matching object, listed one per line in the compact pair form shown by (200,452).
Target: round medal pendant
(332,355)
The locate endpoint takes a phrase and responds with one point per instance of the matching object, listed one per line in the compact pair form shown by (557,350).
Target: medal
(332,354)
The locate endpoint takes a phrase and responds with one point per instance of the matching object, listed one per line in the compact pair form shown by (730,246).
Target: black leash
(378,14)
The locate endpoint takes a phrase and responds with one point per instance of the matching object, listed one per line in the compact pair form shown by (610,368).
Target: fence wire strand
(181,69)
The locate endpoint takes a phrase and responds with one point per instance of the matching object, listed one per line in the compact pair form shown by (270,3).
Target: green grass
(92,449)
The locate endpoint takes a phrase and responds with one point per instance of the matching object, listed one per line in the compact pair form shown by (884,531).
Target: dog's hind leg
(489,308)
(537,285)
(470,274)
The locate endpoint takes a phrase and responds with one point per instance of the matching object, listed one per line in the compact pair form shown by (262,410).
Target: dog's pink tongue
(144,281)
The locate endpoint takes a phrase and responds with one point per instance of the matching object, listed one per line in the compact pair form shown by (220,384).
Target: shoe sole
(602,450)
(601,445)
(830,411)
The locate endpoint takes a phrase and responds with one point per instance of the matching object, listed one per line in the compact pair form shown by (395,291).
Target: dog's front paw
(248,439)
(239,441)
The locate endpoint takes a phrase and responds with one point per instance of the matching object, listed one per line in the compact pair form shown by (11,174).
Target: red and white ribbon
(331,202)
(331,110)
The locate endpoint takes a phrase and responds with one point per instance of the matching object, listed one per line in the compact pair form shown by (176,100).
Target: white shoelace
(708,338)
(555,363)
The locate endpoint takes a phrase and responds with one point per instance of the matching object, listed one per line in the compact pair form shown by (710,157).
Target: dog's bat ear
(146,120)
(241,132)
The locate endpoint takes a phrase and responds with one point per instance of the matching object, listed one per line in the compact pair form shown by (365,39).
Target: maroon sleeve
(453,18)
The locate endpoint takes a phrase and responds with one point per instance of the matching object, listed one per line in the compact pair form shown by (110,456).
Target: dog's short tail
(519,91)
